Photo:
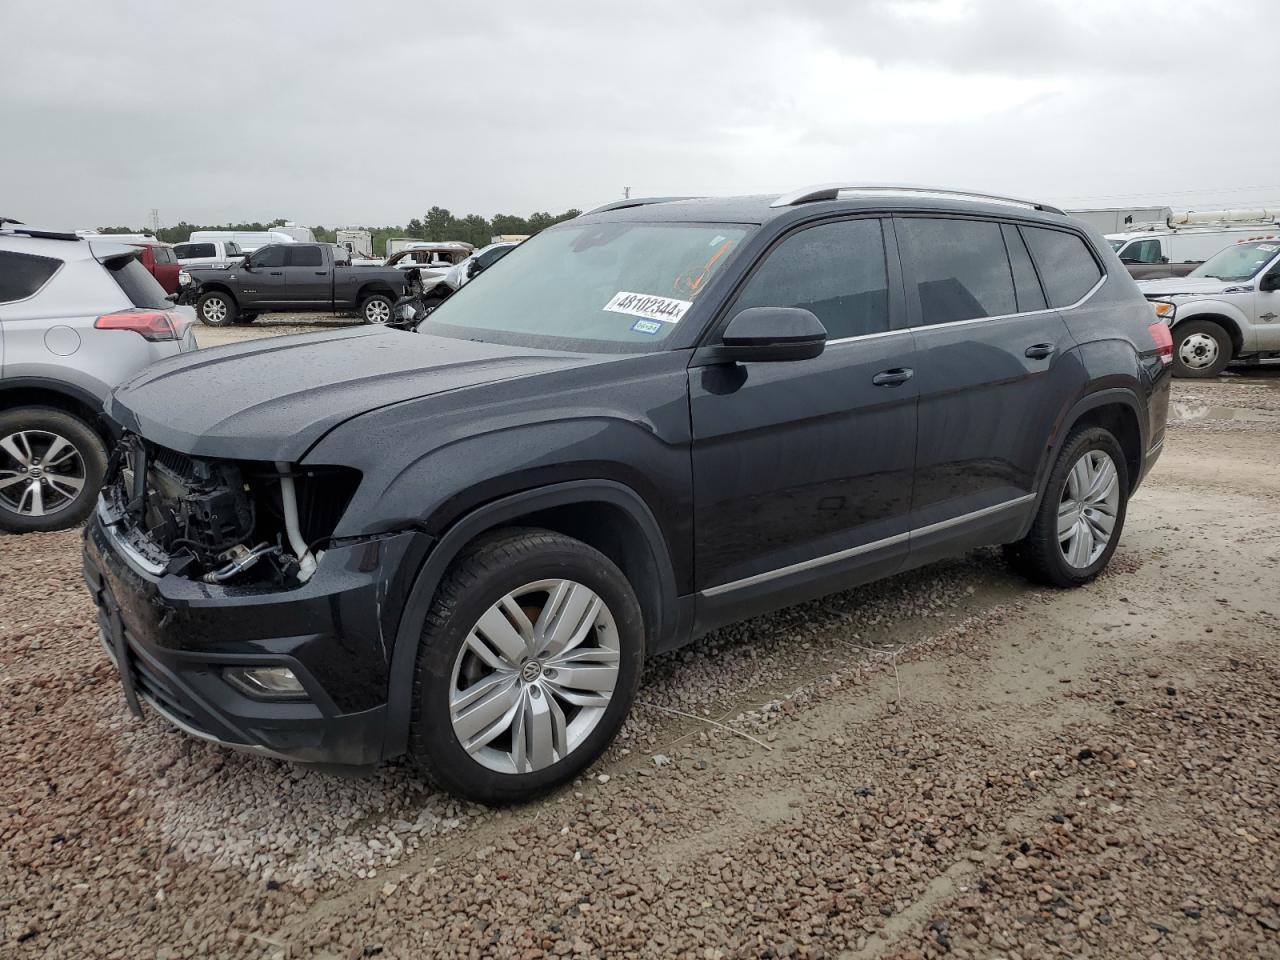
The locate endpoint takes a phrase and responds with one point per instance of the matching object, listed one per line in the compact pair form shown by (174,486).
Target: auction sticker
(651,308)
(646,326)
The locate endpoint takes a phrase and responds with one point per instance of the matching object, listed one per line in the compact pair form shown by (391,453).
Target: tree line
(437,224)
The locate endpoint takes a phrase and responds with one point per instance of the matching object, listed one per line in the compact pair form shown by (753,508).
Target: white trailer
(357,241)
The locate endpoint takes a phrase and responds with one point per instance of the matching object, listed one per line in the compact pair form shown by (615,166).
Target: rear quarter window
(22,274)
(137,282)
(1067,269)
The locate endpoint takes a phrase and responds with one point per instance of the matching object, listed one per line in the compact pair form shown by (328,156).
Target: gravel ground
(947,763)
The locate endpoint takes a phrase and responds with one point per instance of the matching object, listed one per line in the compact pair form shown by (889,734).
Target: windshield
(622,286)
(1239,262)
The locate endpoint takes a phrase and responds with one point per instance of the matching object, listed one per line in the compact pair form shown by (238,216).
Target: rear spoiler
(19,227)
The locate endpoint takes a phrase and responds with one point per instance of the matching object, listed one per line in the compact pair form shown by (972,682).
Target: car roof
(65,247)
(763,208)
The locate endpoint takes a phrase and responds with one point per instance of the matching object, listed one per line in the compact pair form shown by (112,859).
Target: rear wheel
(1201,348)
(1081,515)
(376,308)
(51,465)
(217,309)
(528,665)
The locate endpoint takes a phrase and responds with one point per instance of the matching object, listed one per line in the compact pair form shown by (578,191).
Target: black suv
(644,423)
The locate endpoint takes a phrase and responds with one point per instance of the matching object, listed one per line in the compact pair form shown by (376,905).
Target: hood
(1190,286)
(273,399)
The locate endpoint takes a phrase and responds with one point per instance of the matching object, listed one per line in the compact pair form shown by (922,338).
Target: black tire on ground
(248,317)
(89,462)
(376,308)
(1039,555)
(1214,352)
(493,566)
(217,309)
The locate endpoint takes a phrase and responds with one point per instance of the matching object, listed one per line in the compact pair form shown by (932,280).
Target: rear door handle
(277,273)
(321,273)
(893,378)
(1038,351)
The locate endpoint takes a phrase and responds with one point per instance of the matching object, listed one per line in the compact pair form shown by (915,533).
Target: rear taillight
(1163,340)
(152,325)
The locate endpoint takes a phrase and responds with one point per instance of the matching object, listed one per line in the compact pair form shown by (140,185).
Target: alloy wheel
(214,310)
(1088,509)
(1198,351)
(377,311)
(41,473)
(534,677)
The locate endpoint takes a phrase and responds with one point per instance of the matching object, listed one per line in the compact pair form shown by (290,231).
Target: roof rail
(832,191)
(633,202)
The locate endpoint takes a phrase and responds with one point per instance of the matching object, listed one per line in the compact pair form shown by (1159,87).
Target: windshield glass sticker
(1268,247)
(651,308)
(646,326)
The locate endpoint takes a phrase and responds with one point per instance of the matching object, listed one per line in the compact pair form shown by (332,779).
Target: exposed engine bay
(222,521)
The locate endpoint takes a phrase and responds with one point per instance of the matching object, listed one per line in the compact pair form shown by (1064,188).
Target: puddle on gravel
(1205,411)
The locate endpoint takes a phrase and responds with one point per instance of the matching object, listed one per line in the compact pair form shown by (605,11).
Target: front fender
(495,514)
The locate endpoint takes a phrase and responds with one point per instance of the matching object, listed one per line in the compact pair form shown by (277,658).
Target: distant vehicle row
(1176,245)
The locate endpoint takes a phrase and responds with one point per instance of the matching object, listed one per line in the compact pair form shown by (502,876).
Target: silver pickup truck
(1226,309)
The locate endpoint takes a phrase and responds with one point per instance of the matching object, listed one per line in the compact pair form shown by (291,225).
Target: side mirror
(771,334)
(246,264)
(473,268)
(1270,282)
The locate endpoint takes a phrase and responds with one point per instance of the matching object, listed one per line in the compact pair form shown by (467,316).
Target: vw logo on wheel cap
(531,671)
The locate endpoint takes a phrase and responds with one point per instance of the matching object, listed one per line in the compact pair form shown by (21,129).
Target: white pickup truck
(1226,309)
(202,252)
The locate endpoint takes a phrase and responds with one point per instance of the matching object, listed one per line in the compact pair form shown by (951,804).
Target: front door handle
(1038,351)
(321,273)
(277,273)
(893,378)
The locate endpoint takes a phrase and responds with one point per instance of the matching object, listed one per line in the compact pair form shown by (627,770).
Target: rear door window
(22,274)
(960,267)
(1026,285)
(137,282)
(1067,268)
(834,270)
(189,251)
(305,256)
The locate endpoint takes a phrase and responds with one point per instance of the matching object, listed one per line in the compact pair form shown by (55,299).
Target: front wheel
(527,667)
(1201,348)
(1081,515)
(376,308)
(217,309)
(51,465)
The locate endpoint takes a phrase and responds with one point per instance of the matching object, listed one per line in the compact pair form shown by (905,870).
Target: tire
(376,308)
(217,309)
(27,435)
(1042,555)
(509,767)
(1201,348)
(247,318)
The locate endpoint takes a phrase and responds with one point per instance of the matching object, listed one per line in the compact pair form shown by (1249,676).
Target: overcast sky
(363,113)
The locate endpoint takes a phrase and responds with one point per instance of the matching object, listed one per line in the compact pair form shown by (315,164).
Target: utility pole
(626,193)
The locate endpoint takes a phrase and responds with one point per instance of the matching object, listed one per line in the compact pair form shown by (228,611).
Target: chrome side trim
(805,565)
(959,323)
(864,548)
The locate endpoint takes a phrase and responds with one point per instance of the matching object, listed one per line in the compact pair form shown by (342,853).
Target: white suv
(78,316)
(1227,309)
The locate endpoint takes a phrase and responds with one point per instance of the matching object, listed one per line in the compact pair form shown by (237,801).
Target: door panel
(991,380)
(260,286)
(794,462)
(306,275)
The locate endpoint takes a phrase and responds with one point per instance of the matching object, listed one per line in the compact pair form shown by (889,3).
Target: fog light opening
(273,683)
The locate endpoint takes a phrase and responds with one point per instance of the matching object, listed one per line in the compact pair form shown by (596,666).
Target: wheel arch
(38,392)
(215,286)
(1120,411)
(1224,319)
(374,287)
(605,514)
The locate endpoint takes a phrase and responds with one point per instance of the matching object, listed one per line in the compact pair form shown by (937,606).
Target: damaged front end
(229,607)
(221,521)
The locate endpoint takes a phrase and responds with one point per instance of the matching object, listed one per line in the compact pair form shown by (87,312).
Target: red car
(161,263)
